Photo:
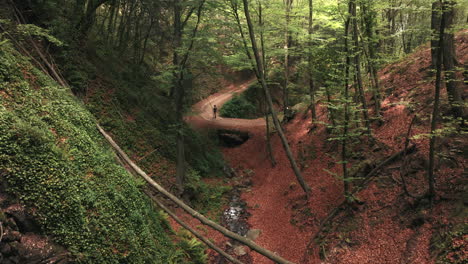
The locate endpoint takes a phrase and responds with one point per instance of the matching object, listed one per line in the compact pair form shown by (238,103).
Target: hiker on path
(215,109)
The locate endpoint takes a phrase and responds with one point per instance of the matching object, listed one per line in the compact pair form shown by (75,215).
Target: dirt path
(274,191)
(385,228)
(204,111)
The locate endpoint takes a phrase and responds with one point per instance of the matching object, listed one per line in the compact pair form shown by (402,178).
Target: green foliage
(238,107)
(245,105)
(194,249)
(55,161)
(204,155)
(30,30)
(207,198)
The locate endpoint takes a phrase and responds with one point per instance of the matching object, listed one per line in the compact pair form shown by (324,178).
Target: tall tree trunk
(357,64)
(310,67)
(344,156)
(262,38)
(454,87)
(369,20)
(267,114)
(145,42)
(435,26)
(284,141)
(435,111)
(110,29)
(89,17)
(181,82)
(235,11)
(178,97)
(288,6)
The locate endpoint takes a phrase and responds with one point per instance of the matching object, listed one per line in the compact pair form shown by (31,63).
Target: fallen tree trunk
(195,233)
(189,210)
(369,177)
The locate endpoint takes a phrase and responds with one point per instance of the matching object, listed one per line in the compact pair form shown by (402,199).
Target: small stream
(235,218)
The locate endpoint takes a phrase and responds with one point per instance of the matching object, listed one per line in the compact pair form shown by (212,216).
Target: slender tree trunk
(284,141)
(344,156)
(235,12)
(178,97)
(267,114)
(357,64)
(435,111)
(112,11)
(122,24)
(89,17)
(288,6)
(435,26)
(369,20)
(181,79)
(262,39)
(145,42)
(310,63)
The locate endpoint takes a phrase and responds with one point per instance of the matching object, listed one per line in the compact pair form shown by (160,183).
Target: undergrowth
(245,105)
(54,160)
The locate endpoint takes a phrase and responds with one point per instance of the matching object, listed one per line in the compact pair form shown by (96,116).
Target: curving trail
(273,190)
(203,117)
(380,231)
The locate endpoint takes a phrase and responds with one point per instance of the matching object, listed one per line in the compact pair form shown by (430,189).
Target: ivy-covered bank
(54,160)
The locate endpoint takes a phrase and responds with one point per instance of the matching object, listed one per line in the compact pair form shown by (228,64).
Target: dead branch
(1,231)
(189,210)
(193,231)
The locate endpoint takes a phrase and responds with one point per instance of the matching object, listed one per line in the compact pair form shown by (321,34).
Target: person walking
(215,110)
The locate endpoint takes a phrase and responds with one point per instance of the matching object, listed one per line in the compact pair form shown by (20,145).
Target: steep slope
(53,160)
(390,226)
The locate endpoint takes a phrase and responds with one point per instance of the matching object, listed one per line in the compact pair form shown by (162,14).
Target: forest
(233,131)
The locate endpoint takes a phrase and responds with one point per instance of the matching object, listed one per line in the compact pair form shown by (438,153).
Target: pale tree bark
(272,256)
(259,67)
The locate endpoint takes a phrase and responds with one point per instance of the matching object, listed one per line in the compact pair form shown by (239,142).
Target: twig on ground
(1,231)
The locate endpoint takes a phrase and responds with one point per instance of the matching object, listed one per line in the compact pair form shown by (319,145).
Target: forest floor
(389,226)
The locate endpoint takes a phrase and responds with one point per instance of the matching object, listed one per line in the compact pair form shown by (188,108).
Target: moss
(56,161)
